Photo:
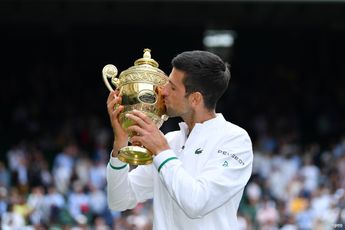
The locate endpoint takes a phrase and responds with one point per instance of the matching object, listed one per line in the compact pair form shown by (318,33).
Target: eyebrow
(172,83)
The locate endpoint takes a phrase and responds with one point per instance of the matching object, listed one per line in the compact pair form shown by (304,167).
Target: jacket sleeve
(225,174)
(126,189)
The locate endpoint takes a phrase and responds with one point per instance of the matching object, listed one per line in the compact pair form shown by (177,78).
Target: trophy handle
(110,71)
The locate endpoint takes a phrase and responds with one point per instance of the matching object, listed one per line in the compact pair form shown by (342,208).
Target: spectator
(4,176)
(98,201)
(11,220)
(267,215)
(63,166)
(36,202)
(98,174)
(4,203)
(78,201)
(54,203)
(310,173)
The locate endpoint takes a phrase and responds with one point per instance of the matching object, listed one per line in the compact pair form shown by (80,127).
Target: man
(199,172)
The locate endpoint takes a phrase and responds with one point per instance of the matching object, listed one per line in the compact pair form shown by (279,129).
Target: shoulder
(233,131)
(235,145)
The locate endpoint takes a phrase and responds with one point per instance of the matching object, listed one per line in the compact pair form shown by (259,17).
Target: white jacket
(197,184)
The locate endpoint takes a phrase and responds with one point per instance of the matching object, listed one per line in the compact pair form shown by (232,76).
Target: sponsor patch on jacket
(232,155)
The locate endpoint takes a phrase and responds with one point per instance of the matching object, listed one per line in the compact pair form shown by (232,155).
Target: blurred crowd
(293,186)
(66,193)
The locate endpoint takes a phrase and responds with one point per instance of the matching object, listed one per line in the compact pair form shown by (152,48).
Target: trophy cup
(140,88)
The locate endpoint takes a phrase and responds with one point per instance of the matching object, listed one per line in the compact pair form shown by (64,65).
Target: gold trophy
(140,88)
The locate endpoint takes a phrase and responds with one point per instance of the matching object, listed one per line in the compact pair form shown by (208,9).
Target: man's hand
(147,133)
(114,109)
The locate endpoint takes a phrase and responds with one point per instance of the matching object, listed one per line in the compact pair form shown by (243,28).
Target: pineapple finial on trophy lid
(146,59)
(147,53)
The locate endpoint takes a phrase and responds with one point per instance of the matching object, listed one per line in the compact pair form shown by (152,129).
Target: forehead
(176,77)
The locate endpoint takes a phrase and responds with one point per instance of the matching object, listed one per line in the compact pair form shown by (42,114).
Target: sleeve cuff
(164,157)
(116,164)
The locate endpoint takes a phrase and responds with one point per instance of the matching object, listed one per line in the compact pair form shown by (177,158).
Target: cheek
(171,93)
(182,102)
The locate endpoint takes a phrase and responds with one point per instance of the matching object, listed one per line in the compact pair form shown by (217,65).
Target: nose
(165,90)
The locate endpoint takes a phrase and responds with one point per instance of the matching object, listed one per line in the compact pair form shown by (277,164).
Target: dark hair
(205,72)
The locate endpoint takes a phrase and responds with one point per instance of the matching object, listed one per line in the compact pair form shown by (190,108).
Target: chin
(171,113)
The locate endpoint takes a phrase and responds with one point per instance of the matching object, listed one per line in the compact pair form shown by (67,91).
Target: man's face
(174,92)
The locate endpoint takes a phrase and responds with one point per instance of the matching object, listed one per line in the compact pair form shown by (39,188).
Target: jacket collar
(211,123)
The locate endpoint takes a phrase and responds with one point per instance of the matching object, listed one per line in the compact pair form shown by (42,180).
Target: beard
(171,112)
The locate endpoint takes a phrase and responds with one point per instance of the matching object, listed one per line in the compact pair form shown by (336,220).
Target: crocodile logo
(198,151)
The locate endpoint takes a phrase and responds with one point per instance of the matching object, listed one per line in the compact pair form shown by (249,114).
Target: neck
(198,117)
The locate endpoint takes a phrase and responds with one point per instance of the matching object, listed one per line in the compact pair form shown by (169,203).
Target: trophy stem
(135,155)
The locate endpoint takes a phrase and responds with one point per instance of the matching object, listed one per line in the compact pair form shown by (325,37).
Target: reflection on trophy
(140,88)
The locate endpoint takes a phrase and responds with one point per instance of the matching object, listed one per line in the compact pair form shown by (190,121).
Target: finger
(111,106)
(136,143)
(136,130)
(110,96)
(136,119)
(142,116)
(113,101)
(136,140)
(116,112)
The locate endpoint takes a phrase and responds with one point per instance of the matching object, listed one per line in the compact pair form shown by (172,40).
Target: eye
(171,87)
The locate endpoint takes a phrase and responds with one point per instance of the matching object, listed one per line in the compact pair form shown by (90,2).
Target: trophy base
(135,155)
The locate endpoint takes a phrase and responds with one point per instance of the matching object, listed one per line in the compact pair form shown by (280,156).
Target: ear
(196,99)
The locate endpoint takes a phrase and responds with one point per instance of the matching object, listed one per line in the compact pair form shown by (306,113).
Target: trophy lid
(146,59)
(145,69)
